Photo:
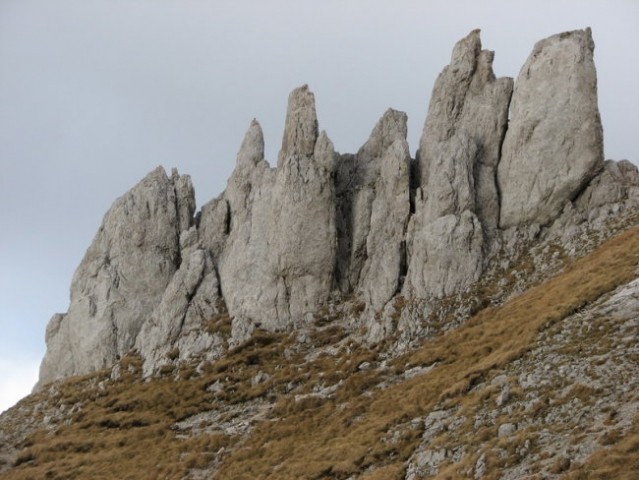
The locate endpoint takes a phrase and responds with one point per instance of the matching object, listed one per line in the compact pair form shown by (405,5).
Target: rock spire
(283,244)
(554,144)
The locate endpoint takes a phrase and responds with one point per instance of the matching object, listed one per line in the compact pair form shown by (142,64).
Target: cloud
(17,378)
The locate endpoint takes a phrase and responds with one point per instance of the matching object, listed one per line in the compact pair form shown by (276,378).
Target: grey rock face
(610,195)
(389,217)
(303,230)
(214,223)
(121,277)
(279,258)
(446,256)
(468,101)
(554,143)
(176,327)
(280,241)
(357,185)
(451,183)
(617,182)
(457,203)
(243,265)
(303,234)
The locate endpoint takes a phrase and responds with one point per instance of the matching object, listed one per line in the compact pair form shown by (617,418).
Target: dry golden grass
(339,438)
(619,462)
(125,430)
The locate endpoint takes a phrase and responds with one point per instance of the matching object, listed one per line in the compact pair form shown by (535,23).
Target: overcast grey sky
(94,94)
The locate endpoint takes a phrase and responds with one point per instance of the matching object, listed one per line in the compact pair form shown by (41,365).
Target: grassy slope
(335,441)
(124,428)
(620,462)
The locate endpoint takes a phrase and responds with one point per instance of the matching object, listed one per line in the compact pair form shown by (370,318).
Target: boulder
(617,182)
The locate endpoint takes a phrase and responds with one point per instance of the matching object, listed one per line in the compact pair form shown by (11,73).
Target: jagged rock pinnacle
(457,205)
(300,129)
(280,243)
(357,182)
(121,278)
(554,144)
(468,100)
(252,149)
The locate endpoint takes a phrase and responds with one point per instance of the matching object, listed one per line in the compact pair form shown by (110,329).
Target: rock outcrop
(121,278)
(617,182)
(373,190)
(279,259)
(242,264)
(457,203)
(176,329)
(323,231)
(554,144)
(385,245)
(303,234)
(467,101)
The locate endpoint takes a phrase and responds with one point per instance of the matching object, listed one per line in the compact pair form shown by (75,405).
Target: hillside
(540,384)
(469,313)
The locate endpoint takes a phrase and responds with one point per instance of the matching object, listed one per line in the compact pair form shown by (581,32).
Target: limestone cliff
(457,204)
(121,278)
(323,231)
(554,144)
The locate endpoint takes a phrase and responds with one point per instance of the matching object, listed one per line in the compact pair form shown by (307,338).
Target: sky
(94,94)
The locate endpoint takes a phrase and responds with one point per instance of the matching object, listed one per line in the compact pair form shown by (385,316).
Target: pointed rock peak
(252,149)
(554,100)
(391,127)
(485,72)
(300,130)
(158,173)
(582,39)
(155,177)
(323,142)
(325,152)
(467,50)
(176,178)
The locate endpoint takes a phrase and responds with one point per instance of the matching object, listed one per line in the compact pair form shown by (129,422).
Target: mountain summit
(412,310)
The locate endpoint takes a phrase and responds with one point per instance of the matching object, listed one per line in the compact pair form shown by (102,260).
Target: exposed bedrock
(373,205)
(280,242)
(121,278)
(467,101)
(554,143)
(279,259)
(457,203)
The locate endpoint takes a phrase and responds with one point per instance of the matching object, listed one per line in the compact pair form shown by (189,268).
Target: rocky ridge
(462,314)
(541,384)
(279,243)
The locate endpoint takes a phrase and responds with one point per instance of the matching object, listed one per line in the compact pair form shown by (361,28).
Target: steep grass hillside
(540,387)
